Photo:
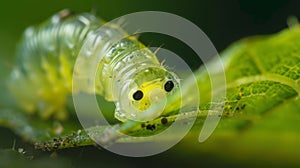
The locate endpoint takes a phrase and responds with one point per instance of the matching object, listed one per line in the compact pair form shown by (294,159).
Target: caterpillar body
(42,78)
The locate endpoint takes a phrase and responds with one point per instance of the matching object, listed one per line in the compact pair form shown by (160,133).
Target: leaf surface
(261,112)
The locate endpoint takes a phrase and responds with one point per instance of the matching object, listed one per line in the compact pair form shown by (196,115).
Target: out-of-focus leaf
(12,158)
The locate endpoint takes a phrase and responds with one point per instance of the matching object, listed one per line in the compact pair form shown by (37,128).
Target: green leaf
(18,159)
(261,113)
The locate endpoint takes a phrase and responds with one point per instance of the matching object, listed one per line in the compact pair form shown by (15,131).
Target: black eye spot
(138,95)
(169,86)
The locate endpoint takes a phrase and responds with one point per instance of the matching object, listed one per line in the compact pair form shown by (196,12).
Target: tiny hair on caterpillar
(129,73)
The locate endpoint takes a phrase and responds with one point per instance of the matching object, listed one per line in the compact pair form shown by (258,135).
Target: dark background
(223,21)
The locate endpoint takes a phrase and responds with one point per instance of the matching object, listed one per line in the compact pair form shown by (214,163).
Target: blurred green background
(223,21)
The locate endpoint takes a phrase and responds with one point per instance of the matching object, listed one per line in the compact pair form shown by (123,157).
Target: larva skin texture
(43,78)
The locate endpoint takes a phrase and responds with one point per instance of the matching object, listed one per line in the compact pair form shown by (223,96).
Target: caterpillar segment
(129,73)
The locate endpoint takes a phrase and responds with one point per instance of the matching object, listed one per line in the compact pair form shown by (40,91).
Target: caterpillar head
(149,87)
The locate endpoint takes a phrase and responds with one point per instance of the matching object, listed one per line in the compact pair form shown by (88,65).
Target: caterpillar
(42,79)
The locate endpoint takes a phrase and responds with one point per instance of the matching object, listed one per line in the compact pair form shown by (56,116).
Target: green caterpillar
(43,78)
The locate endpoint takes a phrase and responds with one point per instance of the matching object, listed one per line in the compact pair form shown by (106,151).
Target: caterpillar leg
(118,114)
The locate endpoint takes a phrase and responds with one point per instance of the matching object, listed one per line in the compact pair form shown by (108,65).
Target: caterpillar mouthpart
(144,96)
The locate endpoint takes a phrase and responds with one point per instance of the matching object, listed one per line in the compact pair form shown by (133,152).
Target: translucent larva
(43,77)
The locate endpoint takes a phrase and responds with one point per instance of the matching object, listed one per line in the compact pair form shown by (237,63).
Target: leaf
(261,113)
(261,116)
(12,158)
